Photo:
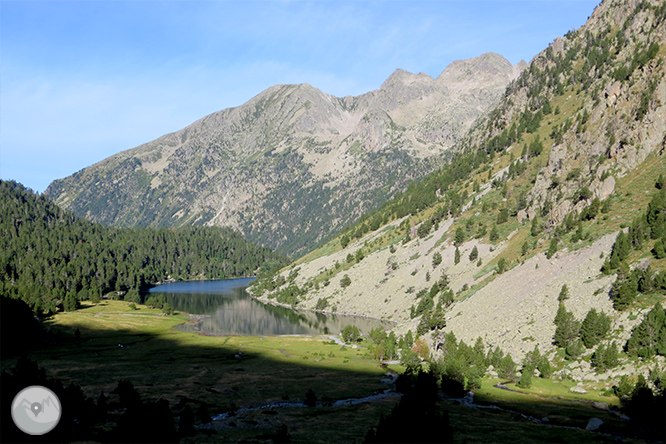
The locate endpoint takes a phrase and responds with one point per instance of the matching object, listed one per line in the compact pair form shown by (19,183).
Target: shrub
(351,334)
(436,259)
(322,303)
(310,398)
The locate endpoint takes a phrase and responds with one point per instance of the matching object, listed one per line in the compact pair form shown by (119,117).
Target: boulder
(600,405)
(594,424)
(577,389)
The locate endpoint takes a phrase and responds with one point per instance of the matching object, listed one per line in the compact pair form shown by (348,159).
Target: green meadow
(227,373)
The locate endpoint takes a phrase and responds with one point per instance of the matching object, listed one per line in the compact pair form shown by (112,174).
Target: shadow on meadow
(130,377)
(89,360)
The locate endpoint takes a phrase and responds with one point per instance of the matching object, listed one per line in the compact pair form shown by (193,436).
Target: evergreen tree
(186,422)
(605,357)
(594,327)
(566,327)
(501,265)
(457,256)
(502,216)
(494,234)
(574,349)
(656,215)
(350,334)
(535,228)
(459,236)
(58,257)
(621,250)
(659,251)
(416,418)
(625,288)
(564,293)
(649,337)
(525,380)
(507,367)
(552,248)
(647,408)
(474,254)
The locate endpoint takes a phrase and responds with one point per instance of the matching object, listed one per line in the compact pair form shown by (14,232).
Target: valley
(504,225)
(228,373)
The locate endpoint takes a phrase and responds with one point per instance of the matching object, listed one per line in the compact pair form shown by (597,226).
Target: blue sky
(82,80)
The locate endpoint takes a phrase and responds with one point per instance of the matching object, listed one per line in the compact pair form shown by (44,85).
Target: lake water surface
(225,308)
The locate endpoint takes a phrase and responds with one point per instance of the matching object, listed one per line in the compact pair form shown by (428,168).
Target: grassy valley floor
(228,373)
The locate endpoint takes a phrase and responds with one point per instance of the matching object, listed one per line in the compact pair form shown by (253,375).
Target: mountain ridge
(532,201)
(232,167)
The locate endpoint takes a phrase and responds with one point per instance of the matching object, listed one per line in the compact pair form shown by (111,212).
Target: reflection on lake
(227,309)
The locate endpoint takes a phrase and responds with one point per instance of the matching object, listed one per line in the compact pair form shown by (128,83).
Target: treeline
(647,339)
(52,260)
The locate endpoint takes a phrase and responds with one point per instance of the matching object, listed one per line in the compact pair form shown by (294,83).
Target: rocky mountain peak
(480,68)
(292,165)
(401,78)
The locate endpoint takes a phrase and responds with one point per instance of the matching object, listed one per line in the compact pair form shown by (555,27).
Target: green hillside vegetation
(499,188)
(53,260)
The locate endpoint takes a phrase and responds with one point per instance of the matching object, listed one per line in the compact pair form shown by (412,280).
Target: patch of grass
(552,399)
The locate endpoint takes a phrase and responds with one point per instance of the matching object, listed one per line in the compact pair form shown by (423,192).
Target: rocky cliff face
(293,165)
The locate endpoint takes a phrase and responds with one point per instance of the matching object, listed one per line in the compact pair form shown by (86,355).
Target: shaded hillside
(293,165)
(51,259)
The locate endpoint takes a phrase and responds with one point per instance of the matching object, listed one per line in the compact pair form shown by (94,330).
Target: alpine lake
(223,307)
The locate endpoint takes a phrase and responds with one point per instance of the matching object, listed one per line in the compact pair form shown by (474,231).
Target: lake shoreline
(223,307)
(312,310)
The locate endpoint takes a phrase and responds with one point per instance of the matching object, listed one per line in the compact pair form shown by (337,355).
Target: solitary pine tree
(474,254)
(567,328)
(594,327)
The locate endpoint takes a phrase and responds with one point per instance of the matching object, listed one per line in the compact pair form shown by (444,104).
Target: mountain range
(482,203)
(293,165)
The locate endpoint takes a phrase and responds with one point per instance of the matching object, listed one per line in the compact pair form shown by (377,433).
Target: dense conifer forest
(52,260)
